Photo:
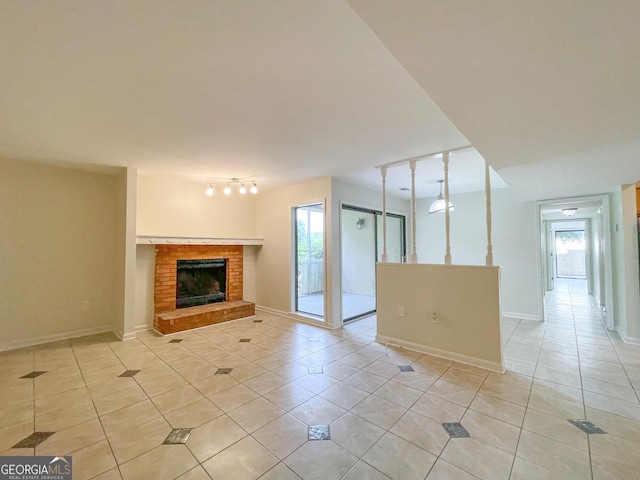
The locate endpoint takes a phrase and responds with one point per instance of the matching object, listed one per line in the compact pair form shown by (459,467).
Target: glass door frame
(296,264)
(377,214)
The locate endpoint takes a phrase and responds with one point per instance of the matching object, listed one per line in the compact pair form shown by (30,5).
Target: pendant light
(439,204)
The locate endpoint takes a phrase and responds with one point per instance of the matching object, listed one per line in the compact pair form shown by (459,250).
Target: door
(309,259)
(358,240)
(571,258)
(361,245)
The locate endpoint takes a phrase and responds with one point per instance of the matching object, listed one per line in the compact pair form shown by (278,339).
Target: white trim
(157,240)
(522,316)
(124,336)
(628,340)
(56,337)
(608,249)
(293,248)
(296,317)
(456,357)
(144,328)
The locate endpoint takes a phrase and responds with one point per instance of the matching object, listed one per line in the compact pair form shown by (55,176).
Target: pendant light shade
(439,205)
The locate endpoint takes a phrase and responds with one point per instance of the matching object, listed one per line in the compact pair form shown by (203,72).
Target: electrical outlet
(401,312)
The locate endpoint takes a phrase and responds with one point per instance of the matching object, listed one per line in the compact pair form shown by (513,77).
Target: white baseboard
(436,352)
(293,316)
(522,316)
(626,339)
(124,336)
(144,328)
(56,337)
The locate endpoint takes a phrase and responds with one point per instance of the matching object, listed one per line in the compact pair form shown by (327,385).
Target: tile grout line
(584,406)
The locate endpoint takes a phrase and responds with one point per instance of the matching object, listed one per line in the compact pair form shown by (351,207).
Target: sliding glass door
(361,240)
(396,247)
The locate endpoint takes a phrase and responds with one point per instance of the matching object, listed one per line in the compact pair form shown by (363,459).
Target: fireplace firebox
(200,282)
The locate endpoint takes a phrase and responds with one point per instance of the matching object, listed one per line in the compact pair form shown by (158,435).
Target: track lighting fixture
(242,189)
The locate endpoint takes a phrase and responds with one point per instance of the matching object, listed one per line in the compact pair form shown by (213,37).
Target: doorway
(570,250)
(575,243)
(309,259)
(361,247)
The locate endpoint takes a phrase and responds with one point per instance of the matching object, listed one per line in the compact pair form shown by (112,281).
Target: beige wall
(465,298)
(274,260)
(175,208)
(58,251)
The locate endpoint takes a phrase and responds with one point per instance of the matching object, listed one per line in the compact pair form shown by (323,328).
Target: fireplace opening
(200,282)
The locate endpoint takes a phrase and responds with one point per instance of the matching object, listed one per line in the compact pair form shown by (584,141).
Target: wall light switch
(401,312)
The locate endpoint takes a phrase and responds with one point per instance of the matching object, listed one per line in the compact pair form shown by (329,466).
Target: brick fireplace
(167,318)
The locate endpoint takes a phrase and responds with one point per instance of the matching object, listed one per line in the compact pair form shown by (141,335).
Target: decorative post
(487,196)
(445,160)
(383,172)
(414,255)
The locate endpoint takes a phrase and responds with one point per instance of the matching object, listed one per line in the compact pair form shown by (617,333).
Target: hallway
(580,371)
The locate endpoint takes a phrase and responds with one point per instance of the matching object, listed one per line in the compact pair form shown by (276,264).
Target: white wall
(145,273)
(513,239)
(625,263)
(58,252)
(171,207)
(597,258)
(125,318)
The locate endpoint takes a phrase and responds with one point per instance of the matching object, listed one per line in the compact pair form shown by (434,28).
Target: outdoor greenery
(305,251)
(574,236)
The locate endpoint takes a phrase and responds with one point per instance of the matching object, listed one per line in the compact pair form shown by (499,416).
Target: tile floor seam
(106,437)
(547,342)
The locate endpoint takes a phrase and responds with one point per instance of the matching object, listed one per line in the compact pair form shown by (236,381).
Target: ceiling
(283,91)
(585,209)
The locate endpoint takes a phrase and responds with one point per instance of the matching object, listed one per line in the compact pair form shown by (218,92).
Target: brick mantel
(167,257)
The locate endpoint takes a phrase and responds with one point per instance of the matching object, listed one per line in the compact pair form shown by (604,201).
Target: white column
(414,255)
(487,196)
(447,218)
(383,172)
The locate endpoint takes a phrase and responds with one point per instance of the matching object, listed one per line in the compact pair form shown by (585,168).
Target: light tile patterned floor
(253,421)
